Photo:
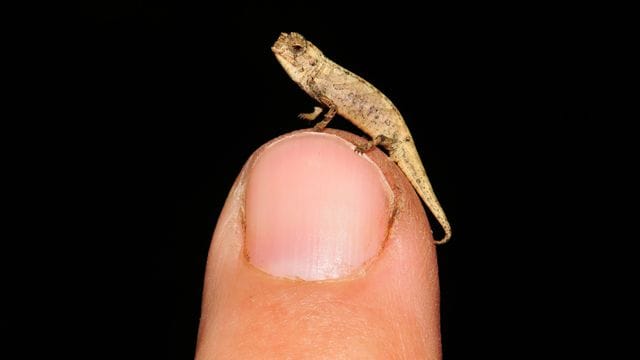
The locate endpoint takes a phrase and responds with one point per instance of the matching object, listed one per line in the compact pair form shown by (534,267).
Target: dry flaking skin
(347,94)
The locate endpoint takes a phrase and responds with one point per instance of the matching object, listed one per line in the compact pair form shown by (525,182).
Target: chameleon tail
(409,161)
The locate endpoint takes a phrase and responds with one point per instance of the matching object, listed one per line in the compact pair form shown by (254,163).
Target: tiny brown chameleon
(353,98)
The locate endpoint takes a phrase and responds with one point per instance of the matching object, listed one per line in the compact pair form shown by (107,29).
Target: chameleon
(350,96)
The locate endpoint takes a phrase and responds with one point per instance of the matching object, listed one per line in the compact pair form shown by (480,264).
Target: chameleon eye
(297,48)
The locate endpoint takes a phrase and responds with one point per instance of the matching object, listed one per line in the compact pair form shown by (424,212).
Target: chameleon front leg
(328,115)
(317,93)
(316,112)
(378,140)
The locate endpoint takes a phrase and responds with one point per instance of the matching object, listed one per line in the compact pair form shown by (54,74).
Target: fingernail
(315,209)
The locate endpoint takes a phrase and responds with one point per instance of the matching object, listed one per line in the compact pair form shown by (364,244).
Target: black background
(169,100)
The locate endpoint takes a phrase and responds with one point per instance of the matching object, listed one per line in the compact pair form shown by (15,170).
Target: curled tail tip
(445,239)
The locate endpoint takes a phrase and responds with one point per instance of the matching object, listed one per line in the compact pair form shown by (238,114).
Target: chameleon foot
(380,139)
(363,148)
(312,115)
(327,117)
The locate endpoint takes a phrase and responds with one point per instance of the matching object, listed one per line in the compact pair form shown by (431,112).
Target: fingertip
(256,304)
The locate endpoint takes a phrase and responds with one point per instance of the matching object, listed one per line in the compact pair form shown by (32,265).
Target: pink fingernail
(315,209)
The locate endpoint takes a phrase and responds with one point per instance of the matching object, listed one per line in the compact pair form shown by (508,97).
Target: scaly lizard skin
(347,94)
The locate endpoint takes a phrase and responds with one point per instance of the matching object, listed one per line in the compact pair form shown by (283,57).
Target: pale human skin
(381,303)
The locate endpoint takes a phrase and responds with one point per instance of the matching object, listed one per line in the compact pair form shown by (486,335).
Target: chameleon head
(297,56)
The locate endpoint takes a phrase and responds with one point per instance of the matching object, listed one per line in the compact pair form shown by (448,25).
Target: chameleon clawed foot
(312,115)
(363,148)
(380,139)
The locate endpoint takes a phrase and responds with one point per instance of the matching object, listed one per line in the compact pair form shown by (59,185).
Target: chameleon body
(350,96)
